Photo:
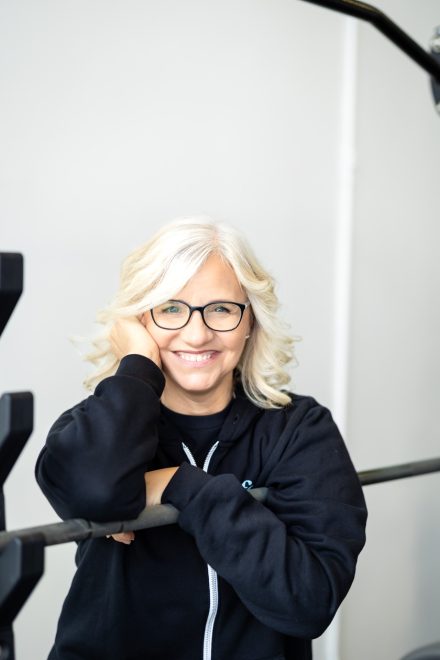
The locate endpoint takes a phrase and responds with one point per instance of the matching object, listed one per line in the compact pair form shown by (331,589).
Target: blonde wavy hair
(158,269)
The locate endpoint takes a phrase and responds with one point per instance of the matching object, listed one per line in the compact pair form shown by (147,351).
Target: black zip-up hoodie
(235,579)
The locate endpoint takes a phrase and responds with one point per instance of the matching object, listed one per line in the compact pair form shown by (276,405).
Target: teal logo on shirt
(247,483)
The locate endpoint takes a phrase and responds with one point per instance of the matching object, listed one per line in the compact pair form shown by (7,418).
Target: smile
(196,357)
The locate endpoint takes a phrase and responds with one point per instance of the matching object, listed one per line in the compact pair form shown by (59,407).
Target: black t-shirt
(199,432)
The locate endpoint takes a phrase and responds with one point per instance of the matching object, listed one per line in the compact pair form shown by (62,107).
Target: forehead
(215,280)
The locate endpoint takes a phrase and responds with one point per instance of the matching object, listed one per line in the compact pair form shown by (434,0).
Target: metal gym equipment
(431,652)
(428,61)
(22,551)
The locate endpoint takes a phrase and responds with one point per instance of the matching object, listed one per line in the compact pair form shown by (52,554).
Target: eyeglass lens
(218,316)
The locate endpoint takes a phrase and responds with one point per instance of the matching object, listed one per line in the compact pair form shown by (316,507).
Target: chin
(196,382)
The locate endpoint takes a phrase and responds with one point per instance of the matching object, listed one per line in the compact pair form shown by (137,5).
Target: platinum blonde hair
(158,269)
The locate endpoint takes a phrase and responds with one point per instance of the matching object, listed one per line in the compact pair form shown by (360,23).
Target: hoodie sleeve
(92,465)
(292,559)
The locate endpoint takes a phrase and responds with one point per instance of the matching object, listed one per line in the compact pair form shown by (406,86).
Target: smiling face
(198,362)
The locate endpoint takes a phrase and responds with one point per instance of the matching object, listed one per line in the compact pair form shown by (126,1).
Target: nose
(196,333)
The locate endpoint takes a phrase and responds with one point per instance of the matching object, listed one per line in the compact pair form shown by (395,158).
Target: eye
(171,308)
(224,308)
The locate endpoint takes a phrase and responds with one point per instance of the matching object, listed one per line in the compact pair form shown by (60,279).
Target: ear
(251,324)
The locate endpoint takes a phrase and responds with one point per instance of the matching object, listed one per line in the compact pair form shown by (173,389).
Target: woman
(189,410)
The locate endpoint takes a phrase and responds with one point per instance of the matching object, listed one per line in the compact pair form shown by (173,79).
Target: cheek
(235,345)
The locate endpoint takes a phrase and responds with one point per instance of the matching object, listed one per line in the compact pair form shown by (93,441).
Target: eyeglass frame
(201,309)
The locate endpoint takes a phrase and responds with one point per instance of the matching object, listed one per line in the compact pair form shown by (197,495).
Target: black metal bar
(79,529)
(385,25)
(11,284)
(6,643)
(16,424)
(435,83)
(2,511)
(21,567)
(165,514)
(403,471)
(21,561)
(21,564)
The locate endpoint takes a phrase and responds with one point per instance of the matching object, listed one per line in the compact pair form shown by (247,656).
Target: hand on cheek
(130,335)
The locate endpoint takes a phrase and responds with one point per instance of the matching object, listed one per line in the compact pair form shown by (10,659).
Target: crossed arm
(155,481)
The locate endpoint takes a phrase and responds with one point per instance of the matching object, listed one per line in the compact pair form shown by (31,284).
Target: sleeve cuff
(141,367)
(184,486)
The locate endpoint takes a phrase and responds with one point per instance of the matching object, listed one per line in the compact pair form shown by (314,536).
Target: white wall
(394,380)
(117,116)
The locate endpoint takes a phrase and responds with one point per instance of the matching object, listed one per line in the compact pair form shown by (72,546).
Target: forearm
(293,574)
(96,454)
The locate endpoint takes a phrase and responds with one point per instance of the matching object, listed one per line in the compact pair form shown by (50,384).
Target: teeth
(199,357)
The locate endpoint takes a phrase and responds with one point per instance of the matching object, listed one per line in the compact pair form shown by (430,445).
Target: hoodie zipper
(212,575)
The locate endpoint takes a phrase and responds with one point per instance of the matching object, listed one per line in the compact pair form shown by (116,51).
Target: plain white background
(116,117)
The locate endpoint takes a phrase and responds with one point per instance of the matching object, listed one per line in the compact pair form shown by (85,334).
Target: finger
(124,537)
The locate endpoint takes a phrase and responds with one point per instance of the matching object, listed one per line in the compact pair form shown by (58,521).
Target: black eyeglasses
(221,315)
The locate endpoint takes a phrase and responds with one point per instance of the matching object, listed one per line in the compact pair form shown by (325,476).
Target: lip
(196,363)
